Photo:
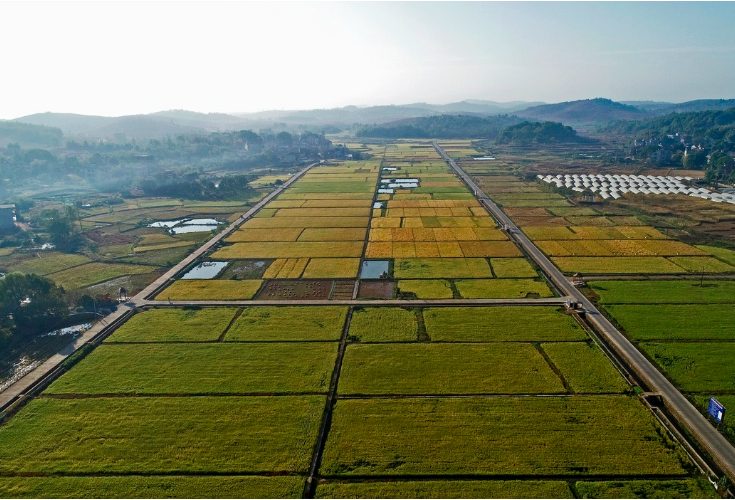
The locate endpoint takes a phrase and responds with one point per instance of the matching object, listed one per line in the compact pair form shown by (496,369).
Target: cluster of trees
(37,135)
(538,133)
(29,305)
(445,126)
(190,185)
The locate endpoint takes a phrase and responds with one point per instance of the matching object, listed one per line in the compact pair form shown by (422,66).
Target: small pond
(373,269)
(378,204)
(181,226)
(205,271)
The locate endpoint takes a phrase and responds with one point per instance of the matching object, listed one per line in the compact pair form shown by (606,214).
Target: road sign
(716,409)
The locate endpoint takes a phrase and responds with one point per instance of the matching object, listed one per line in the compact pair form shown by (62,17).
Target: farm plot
(501,324)
(288,323)
(286,268)
(217,368)
(673,488)
(702,264)
(152,487)
(426,289)
(304,222)
(585,368)
(431,436)
(281,250)
(429,368)
(704,367)
(383,324)
(296,290)
(210,290)
(513,268)
(50,262)
(181,435)
(445,489)
(332,268)
(617,265)
(665,292)
(282,234)
(95,272)
(175,325)
(441,268)
(333,234)
(676,322)
(502,288)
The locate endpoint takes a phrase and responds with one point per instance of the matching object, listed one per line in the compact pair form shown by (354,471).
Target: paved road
(721,451)
(551,301)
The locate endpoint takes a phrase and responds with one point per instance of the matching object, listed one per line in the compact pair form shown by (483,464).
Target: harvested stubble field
(383,324)
(181,435)
(665,292)
(288,323)
(210,290)
(675,322)
(506,288)
(430,368)
(175,325)
(432,436)
(201,368)
(501,324)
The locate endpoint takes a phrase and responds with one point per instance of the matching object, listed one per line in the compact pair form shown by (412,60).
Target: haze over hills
(581,114)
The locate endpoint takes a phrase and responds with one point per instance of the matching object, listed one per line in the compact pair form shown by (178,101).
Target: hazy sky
(133,57)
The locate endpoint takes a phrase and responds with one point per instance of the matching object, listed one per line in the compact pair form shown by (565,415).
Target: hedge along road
(721,451)
(12,393)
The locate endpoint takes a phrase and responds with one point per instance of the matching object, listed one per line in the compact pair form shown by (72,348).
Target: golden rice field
(210,290)
(332,268)
(444,249)
(437,234)
(296,249)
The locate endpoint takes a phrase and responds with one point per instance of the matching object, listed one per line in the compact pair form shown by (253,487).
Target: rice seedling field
(585,368)
(430,436)
(695,367)
(208,368)
(432,368)
(210,290)
(182,435)
(175,325)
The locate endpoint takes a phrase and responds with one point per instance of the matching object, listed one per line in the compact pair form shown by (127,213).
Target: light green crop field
(707,367)
(174,325)
(501,324)
(676,321)
(162,435)
(665,292)
(513,268)
(445,489)
(210,290)
(152,487)
(429,368)
(442,268)
(724,254)
(502,289)
(95,272)
(673,488)
(499,436)
(702,264)
(585,368)
(383,324)
(288,323)
(427,289)
(217,368)
(50,262)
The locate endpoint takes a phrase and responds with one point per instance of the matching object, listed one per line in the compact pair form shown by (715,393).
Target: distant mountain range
(579,114)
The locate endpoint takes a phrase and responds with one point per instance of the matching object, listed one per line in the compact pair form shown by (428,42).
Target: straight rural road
(721,451)
(551,301)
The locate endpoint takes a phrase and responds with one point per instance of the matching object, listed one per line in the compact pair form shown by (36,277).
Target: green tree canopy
(33,302)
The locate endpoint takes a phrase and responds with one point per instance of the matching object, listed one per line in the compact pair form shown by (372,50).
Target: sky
(119,58)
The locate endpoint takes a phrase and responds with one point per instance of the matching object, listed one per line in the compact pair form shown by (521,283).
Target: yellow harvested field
(302,222)
(279,234)
(385,222)
(333,234)
(379,250)
(278,250)
(323,212)
(414,222)
(426,249)
(332,268)
(404,249)
(211,290)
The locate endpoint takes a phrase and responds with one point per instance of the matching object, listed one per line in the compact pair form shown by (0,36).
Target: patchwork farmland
(372,332)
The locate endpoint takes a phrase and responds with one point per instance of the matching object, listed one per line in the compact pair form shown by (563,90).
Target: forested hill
(29,135)
(445,126)
(538,133)
(702,126)
(585,112)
